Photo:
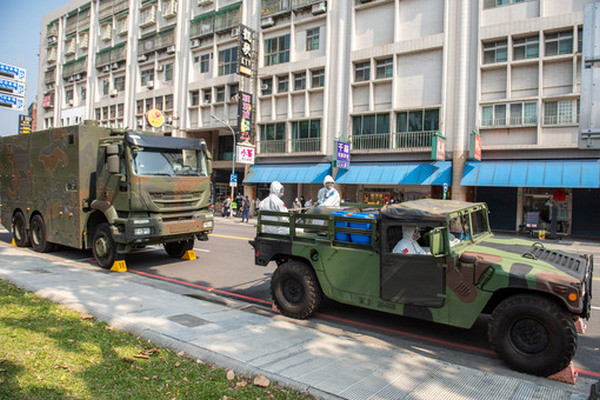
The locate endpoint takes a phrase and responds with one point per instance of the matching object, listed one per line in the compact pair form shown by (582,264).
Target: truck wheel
(104,247)
(533,334)
(178,249)
(295,290)
(37,235)
(19,230)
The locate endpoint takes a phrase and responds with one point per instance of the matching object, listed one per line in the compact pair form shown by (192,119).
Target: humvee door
(417,279)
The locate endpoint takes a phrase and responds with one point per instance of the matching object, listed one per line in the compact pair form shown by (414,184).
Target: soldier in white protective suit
(408,244)
(273,202)
(328,195)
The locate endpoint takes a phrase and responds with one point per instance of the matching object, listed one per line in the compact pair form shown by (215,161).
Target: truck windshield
(169,162)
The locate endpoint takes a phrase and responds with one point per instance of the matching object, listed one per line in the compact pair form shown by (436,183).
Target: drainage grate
(188,320)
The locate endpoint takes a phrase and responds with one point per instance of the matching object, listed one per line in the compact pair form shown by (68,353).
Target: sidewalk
(327,365)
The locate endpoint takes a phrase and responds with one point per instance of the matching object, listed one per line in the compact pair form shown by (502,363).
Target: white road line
(595,308)
(202,250)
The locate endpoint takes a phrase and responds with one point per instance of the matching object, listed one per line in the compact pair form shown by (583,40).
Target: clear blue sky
(20,26)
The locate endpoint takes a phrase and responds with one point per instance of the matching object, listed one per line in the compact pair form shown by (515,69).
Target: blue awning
(397,173)
(533,173)
(288,173)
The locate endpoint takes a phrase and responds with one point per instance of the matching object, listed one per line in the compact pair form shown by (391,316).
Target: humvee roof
(425,209)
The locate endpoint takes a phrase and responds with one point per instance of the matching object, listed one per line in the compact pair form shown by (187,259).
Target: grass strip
(48,351)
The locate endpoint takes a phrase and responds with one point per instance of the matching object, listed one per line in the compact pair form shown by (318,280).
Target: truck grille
(174,201)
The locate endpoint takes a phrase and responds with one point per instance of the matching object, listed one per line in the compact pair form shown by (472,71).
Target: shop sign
(25,123)
(12,72)
(155,118)
(246,51)
(475,146)
(245,154)
(342,156)
(438,147)
(245,116)
(14,102)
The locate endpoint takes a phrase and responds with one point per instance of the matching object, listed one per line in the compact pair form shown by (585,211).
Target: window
(220,94)
(384,68)
(306,135)
(122,25)
(169,72)
(119,83)
(205,62)
(580,39)
(418,120)
(282,84)
(498,3)
(69,95)
(227,61)
(140,107)
(371,131)
(105,87)
(83,93)
(277,50)
(528,47)
(300,81)
(559,43)
(318,78)
(272,138)
(194,97)
(207,95)
(362,71)
(558,112)
(266,86)
(147,75)
(312,39)
(523,113)
(493,115)
(494,52)
(233,91)
(158,103)
(169,102)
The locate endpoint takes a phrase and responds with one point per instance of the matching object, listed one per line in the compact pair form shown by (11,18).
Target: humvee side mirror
(438,241)
(112,158)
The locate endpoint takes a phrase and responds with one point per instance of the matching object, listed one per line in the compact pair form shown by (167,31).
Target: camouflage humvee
(107,190)
(535,295)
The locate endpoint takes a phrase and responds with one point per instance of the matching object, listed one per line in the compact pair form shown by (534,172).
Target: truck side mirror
(438,241)
(112,158)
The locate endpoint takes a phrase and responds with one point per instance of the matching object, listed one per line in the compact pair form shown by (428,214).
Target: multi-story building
(383,75)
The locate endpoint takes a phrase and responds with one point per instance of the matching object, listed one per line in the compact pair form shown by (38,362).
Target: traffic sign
(9,101)
(12,72)
(233,180)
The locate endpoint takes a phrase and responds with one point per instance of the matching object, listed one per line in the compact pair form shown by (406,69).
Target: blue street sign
(445,187)
(9,101)
(233,180)
(12,87)
(12,72)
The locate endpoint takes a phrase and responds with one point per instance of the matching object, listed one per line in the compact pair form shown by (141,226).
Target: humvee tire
(295,290)
(104,247)
(178,249)
(37,235)
(533,334)
(19,231)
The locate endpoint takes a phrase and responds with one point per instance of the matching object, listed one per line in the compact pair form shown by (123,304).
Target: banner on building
(245,116)
(475,146)
(438,147)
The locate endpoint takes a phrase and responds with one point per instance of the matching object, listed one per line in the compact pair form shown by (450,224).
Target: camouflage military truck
(536,296)
(107,190)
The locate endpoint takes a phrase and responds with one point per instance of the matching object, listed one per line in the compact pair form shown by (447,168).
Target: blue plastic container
(342,237)
(366,238)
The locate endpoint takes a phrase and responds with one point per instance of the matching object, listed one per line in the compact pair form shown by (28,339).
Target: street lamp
(213,116)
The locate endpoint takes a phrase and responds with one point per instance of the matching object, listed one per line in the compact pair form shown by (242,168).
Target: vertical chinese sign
(342,157)
(475,146)
(246,69)
(438,147)
(244,116)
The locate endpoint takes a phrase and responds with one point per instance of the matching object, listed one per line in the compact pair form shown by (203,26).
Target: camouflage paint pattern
(51,173)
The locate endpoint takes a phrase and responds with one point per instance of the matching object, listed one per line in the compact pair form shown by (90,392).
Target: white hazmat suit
(273,202)
(408,244)
(328,195)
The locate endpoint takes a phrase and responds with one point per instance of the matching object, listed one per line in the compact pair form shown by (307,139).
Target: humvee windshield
(460,229)
(163,162)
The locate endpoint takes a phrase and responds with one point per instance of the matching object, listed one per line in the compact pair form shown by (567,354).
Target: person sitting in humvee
(408,244)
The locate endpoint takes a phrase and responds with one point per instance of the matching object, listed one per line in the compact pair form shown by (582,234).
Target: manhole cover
(188,320)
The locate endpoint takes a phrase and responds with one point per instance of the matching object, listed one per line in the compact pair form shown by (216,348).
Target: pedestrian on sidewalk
(246,209)
(227,207)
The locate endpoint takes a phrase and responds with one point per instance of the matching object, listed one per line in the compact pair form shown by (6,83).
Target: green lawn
(50,352)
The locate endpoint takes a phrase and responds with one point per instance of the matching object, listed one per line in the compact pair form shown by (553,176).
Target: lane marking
(202,250)
(230,237)
(595,308)
(596,279)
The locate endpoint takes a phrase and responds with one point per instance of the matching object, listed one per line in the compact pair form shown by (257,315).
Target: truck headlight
(208,224)
(141,231)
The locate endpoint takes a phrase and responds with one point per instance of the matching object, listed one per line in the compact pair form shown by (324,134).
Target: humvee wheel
(178,249)
(104,247)
(295,290)
(19,230)
(533,334)
(37,235)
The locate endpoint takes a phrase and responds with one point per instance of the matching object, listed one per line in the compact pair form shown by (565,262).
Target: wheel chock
(13,243)
(119,266)
(567,375)
(189,255)
(580,326)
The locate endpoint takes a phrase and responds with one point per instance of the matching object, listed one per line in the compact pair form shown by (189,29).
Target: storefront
(530,195)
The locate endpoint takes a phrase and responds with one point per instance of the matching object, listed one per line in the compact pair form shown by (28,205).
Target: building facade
(383,76)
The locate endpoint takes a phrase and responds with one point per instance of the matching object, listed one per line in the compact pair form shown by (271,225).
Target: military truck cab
(433,260)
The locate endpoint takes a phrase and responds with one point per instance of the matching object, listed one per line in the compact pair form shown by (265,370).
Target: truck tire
(533,334)
(19,230)
(37,235)
(104,247)
(178,249)
(295,290)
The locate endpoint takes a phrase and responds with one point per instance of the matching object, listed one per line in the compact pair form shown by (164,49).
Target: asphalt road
(225,267)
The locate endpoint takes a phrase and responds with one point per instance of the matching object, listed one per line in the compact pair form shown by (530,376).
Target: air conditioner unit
(142,57)
(150,84)
(195,43)
(70,102)
(267,22)
(78,77)
(235,32)
(115,66)
(170,10)
(114,93)
(71,78)
(319,8)
(170,49)
(106,68)
(160,68)
(205,2)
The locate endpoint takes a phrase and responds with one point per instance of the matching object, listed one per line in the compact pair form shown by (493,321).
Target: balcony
(288,146)
(399,142)
(273,7)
